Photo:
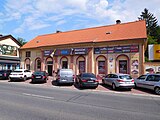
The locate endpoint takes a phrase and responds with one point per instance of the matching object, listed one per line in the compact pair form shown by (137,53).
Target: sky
(29,18)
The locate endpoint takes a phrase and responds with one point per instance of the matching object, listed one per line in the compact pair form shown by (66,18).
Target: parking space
(104,88)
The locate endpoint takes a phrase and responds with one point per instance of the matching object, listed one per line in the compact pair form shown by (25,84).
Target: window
(64,64)
(38,64)
(123,66)
(142,77)
(28,66)
(28,54)
(114,76)
(154,78)
(81,66)
(101,67)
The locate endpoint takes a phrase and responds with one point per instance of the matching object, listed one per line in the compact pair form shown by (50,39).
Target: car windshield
(88,75)
(39,73)
(125,77)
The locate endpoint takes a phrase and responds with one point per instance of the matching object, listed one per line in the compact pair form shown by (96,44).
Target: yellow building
(117,48)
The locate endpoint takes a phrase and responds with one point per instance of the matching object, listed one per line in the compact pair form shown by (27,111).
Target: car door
(110,79)
(107,78)
(140,80)
(152,80)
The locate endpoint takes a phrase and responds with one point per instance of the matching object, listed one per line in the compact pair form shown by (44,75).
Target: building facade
(101,50)
(9,53)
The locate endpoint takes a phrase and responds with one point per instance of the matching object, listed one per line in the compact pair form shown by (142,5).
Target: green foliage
(153,29)
(152,40)
(21,40)
(151,22)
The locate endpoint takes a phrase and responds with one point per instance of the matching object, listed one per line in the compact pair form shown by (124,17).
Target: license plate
(38,77)
(90,81)
(127,82)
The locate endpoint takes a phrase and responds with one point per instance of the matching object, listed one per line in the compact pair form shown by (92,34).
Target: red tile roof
(124,31)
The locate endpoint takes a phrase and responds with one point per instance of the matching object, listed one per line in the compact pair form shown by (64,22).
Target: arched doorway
(101,65)
(122,64)
(64,62)
(38,64)
(27,64)
(81,63)
(49,66)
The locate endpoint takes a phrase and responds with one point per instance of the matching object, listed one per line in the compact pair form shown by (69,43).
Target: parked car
(149,81)
(20,74)
(64,76)
(87,80)
(119,81)
(4,74)
(39,76)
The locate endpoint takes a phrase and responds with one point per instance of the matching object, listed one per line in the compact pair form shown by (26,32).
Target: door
(123,66)
(101,67)
(64,64)
(50,67)
(81,66)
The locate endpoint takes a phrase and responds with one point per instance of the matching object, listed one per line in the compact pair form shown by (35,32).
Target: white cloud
(39,14)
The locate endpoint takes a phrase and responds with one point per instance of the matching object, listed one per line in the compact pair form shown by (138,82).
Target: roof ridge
(91,28)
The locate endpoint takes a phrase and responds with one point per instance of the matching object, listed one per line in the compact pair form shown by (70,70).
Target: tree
(21,40)
(151,22)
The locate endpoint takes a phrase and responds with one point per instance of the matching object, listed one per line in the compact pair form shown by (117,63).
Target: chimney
(1,35)
(118,22)
(58,31)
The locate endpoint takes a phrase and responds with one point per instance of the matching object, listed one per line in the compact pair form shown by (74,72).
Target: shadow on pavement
(54,83)
(118,89)
(145,90)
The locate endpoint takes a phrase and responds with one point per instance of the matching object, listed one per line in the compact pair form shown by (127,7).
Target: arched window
(38,64)
(27,63)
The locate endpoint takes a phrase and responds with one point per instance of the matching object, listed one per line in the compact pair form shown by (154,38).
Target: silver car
(149,81)
(65,76)
(119,81)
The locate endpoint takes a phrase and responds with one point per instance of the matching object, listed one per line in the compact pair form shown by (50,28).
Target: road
(19,101)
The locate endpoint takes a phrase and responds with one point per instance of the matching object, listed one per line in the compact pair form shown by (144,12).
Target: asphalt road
(19,101)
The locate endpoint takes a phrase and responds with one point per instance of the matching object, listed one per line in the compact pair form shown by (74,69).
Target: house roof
(10,36)
(116,32)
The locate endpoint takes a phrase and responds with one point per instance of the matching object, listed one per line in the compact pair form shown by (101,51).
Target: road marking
(39,96)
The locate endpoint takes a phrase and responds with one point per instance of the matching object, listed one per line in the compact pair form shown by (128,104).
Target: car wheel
(11,80)
(25,78)
(114,86)
(157,90)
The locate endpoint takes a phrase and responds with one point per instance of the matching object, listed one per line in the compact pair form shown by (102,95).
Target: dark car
(39,76)
(87,80)
(4,74)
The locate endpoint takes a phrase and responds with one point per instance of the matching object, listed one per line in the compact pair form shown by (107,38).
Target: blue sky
(30,18)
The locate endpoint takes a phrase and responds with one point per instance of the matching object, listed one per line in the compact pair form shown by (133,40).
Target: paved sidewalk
(104,88)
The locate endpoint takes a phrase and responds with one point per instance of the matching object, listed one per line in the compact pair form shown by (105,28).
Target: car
(4,74)
(119,80)
(39,76)
(87,80)
(149,81)
(65,76)
(20,74)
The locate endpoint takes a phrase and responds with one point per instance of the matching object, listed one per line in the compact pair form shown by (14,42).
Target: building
(117,48)
(9,52)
